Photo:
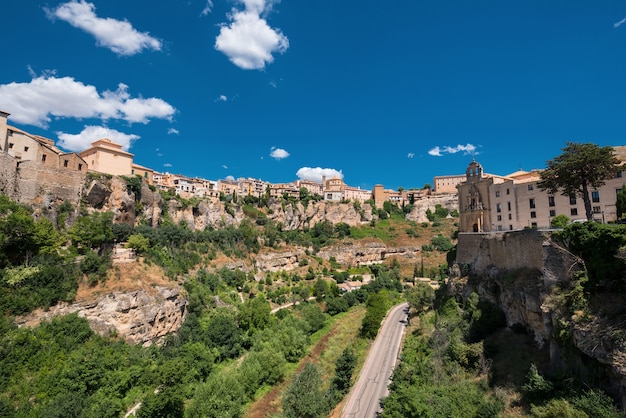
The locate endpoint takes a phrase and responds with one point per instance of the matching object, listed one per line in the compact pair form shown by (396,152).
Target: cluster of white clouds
(247,40)
(46,97)
(278,153)
(467,149)
(317,173)
(620,23)
(90,134)
(117,35)
(34,103)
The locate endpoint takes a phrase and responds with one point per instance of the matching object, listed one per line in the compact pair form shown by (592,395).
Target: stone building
(106,156)
(447,184)
(489,202)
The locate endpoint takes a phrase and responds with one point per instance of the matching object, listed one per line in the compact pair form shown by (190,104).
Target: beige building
(143,172)
(105,156)
(282,189)
(27,147)
(447,184)
(252,187)
(499,203)
(313,187)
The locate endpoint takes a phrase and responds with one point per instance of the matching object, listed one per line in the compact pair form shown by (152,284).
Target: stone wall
(36,182)
(8,175)
(505,250)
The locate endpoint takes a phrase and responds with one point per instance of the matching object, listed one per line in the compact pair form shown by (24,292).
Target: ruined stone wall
(506,250)
(35,182)
(8,175)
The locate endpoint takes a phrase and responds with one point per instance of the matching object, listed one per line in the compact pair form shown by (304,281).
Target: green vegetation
(231,349)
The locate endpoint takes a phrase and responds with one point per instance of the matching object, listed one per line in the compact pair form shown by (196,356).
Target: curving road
(371,387)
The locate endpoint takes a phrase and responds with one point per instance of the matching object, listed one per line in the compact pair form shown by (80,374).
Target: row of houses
(489,202)
(106,156)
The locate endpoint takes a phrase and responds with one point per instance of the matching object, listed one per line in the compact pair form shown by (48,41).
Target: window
(618,175)
(573,211)
(497,193)
(508,205)
(80,167)
(530,187)
(510,227)
(533,225)
(551,201)
(499,227)
(25,149)
(507,191)
(531,203)
(572,199)
(499,218)
(596,209)
(10,145)
(145,175)
(510,217)
(595,196)
(533,214)
(499,207)
(552,212)
(66,163)
(43,158)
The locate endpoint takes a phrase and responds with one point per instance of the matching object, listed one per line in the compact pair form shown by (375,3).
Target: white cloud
(278,153)
(468,149)
(620,23)
(410,155)
(225,167)
(316,174)
(83,140)
(222,98)
(34,103)
(207,9)
(117,35)
(173,131)
(248,41)
(167,165)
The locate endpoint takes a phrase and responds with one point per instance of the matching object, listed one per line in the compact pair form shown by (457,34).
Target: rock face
(418,214)
(296,216)
(139,317)
(368,253)
(523,272)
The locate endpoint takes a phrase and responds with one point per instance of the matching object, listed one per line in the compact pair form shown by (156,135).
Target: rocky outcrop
(366,253)
(277,261)
(526,273)
(296,216)
(418,213)
(139,317)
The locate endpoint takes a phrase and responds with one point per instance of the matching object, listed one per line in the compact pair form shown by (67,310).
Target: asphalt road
(371,387)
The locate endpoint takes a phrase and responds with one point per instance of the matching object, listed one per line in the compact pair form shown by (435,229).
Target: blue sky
(389,93)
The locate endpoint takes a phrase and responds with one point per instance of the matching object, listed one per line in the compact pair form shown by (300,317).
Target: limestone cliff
(528,275)
(139,317)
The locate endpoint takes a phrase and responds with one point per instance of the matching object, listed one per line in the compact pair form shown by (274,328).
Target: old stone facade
(489,202)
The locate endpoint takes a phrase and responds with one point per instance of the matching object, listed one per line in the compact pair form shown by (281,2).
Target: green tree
(580,168)
(344,368)
(139,243)
(254,314)
(304,397)
(560,221)
(420,296)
